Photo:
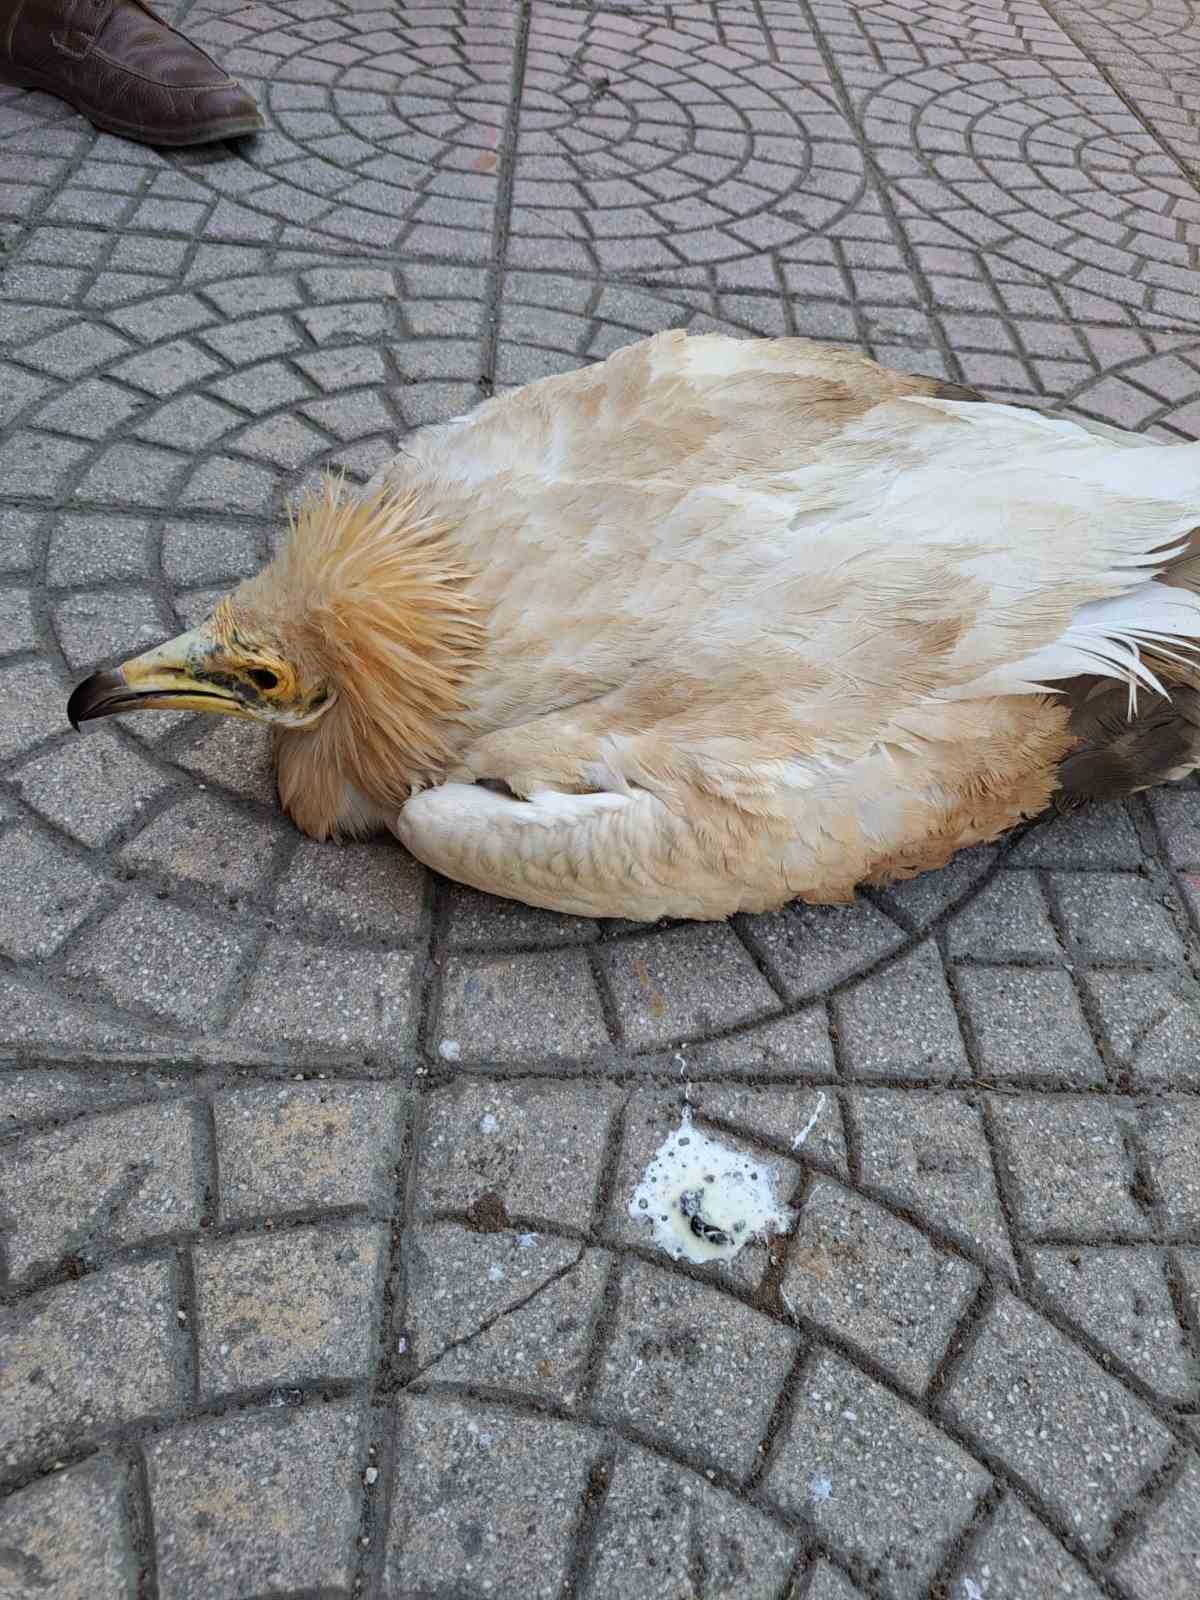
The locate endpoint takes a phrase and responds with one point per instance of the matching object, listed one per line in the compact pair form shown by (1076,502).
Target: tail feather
(1122,748)
(1115,754)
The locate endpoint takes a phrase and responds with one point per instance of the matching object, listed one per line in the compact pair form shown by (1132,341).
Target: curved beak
(169,678)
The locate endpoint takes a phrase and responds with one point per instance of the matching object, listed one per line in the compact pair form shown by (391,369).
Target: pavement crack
(116,1197)
(506,1311)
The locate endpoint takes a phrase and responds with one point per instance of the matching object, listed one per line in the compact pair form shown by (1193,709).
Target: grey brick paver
(316,1264)
(85,1357)
(69,1535)
(872,1279)
(224,1492)
(1049,1412)
(120,1178)
(692,1369)
(878,1480)
(285,1309)
(1016,1557)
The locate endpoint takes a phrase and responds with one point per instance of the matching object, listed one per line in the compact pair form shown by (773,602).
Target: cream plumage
(713,625)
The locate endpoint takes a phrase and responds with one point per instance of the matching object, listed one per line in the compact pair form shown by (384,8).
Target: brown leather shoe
(125,69)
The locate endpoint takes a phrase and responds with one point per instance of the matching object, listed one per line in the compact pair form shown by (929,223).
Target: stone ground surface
(319,1274)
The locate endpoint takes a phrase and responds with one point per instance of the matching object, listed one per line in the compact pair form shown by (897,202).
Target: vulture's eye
(262,677)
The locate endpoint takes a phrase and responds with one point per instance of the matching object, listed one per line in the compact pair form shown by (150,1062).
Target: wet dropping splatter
(811,1123)
(703,1201)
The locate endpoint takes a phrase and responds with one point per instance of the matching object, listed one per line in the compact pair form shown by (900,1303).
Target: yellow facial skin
(203,670)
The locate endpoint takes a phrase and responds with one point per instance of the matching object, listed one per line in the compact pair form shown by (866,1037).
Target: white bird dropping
(703,1201)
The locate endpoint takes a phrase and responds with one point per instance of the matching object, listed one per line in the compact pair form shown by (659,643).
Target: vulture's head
(354,643)
(241,662)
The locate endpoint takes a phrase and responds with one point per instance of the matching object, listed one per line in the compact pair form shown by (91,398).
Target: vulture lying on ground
(713,625)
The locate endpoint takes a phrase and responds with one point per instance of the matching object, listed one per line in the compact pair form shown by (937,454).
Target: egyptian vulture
(713,625)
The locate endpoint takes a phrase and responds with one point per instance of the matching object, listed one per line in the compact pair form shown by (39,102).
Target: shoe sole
(165,139)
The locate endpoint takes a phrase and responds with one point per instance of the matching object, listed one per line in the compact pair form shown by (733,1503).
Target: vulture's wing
(591,855)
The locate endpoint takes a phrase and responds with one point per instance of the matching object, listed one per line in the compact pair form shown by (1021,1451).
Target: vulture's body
(717,624)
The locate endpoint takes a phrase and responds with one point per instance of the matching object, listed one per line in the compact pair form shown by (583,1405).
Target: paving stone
(29,1095)
(287,1307)
(863,1274)
(1071,1171)
(202,842)
(1098,836)
(797,1044)
(136,955)
(39,466)
(356,889)
(257,1504)
(192,607)
(1176,809)
(1047,1411)
(300,1147)
(524,1007)
(282,441)
(873,1476)
(531,1150)
(810,947)
(480,920)
(137,474)
(69,1536)
(264,388)
(240,296)
(503,1520)
(661,1526)
(1115,918)
(205,552)
(337,369)
(236,755)
(168,367)
(689,1366)
(509,1310)
(1164,1560)
(901,1022)
(352,416)
(1006,921)
(1120,1297)
(929,1152)
(75,350)
(827,1583)
(20,538)
(102,625)
(164,317)
(194,417)
(21,391)
(17,630)
(691,980)
(32,1016)
(808,1122)
(85,1357)
(86,546)
(330,998)
(1170,1131)
(1028,1025)
(44,894)
(113,1179)
(1152,1021)
(223,484)
(1017,1559)
(90,410)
